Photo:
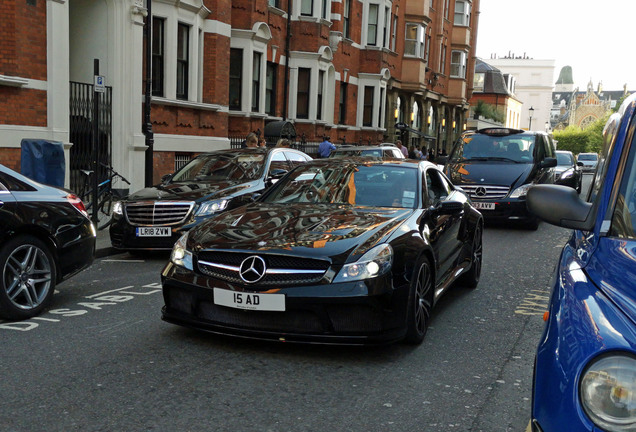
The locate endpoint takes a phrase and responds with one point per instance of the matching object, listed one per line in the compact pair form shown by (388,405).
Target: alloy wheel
(27,276)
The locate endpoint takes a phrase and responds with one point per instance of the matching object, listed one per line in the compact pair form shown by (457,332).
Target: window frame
(183,64)
(342,103)
(303,94)
(419,43)
(270,93)
(462,18)
(458,69)
(238,65)
(256,80)
(158,58)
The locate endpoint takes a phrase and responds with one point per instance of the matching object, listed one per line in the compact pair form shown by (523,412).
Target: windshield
(350,153)
(565,159)
(516,148)
(222,166)
(588,157)
(361,185)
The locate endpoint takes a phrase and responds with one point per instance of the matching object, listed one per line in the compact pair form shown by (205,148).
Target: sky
(591,36)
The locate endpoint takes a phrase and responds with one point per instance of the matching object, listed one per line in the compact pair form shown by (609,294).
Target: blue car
(585,367)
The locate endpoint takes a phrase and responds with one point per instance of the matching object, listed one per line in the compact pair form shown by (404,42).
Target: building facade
(534,87)
(359,71)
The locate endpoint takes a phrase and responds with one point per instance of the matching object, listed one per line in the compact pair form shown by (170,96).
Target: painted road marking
(97,302)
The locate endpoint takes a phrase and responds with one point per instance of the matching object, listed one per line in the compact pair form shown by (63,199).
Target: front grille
(157,213)
(281,269)
(491,192)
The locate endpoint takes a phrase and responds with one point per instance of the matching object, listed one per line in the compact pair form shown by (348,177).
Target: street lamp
(530,122)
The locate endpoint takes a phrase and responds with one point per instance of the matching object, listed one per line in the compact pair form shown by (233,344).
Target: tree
(572,138)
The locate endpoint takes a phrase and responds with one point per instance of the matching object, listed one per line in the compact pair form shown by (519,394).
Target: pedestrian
(283,142)
(403,149)
(423,153)
(262,142)
(250,141)
(412,153)
(325,147)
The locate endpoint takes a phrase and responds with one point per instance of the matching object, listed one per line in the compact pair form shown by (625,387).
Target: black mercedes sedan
(353,251)
(155,217)
(45,238)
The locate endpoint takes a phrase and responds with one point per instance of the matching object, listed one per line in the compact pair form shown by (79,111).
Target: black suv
(497,166)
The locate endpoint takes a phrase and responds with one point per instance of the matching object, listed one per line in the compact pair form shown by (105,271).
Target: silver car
(589,161)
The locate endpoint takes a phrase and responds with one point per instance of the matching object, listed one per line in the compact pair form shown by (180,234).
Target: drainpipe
(147,126)
(287,43)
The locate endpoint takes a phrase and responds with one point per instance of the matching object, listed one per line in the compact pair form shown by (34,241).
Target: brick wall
(10,157)
(26,107)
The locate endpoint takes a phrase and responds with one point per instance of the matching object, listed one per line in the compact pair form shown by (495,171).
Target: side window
(3,188)
(295,158)
(437,189)
(550,152)
(277,162)
(624,215)
(540,150)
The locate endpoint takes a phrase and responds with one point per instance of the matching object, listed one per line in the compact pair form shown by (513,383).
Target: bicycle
(105,196)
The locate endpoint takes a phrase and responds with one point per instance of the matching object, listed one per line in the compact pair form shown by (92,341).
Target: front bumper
(506,210)
(124,236)
(354,313)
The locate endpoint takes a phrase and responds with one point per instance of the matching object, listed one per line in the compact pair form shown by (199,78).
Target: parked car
(497,166)
(350,251)
(589,161)
(45,238)
(568,172)
(382,151)
(155,217)
(585,368)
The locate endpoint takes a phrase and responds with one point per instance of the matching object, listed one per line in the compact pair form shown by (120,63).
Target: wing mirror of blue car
(561,206)
(548,162)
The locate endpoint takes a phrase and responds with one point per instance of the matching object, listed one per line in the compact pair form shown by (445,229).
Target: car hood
(612,268)
(339,233)
(494,173)
(191,191)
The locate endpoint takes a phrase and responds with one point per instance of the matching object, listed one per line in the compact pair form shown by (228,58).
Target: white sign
(100,85)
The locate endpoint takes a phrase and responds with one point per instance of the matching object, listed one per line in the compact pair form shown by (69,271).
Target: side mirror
(441,160)
(449,207)
(580,164)
(561,206)
(548,163)
(166,178)
(277,173)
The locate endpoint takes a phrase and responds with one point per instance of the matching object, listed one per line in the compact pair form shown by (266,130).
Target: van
(497,166)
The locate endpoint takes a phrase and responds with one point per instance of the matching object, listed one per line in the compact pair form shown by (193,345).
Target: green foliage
(488,111)
(572,138)
(579,140)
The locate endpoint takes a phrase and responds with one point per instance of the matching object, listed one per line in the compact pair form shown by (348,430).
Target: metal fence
(81,132)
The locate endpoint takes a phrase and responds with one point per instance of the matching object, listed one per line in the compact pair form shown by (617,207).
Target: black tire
(27,282)
(420,302)
(532,224)
(470,279)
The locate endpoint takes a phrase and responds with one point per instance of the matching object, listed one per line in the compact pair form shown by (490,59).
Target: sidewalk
(103,248)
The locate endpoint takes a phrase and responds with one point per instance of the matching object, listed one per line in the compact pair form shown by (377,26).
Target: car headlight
(521,191)
(211,207)
(180,255)
(567,173)
(608,392)
(118,209)
(375,262)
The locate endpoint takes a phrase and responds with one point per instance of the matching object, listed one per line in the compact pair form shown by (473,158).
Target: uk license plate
(153,232)
(249,301)
(484,206)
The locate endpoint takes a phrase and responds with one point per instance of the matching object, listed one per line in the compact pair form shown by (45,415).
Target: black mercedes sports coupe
(352,251)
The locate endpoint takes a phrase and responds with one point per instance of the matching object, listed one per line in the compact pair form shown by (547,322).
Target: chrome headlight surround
(180,255)
(210,207)
(375,262)
(607,391)
(521,191)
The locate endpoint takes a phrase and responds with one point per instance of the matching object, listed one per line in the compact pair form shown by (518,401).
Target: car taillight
(76,202)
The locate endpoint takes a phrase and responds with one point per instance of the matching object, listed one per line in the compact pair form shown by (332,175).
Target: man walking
(325,148)
(403,149)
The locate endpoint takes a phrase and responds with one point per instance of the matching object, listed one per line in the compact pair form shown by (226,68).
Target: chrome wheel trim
(423,298)
(27,277)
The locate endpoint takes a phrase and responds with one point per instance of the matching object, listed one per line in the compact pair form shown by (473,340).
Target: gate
(81,133)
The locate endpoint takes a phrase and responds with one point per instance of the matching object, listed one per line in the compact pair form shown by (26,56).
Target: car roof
(564,151)
(360,148)
(358,160)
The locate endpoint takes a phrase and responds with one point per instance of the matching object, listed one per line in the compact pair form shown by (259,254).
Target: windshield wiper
(495,158)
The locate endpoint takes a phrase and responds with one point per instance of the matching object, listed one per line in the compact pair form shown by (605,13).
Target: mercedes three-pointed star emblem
(252,269)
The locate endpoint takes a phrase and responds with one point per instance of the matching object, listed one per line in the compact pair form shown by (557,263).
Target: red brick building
(350,69)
